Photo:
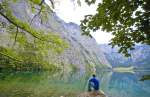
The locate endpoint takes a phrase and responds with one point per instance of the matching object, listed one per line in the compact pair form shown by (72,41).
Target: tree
(127,20)
(28,47)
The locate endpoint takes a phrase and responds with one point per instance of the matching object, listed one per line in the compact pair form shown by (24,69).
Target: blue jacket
(93,83)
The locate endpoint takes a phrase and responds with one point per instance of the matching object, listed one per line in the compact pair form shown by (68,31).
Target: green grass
(145,77)
(124,69)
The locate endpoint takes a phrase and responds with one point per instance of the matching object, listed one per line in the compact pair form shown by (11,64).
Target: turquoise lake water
(125,85)
(45,84)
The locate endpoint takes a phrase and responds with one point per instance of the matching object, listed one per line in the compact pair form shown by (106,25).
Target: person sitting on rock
(93,83)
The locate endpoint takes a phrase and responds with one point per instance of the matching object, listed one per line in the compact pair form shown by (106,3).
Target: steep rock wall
(82,50)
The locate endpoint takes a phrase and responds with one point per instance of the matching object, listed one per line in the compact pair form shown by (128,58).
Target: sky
(72,12)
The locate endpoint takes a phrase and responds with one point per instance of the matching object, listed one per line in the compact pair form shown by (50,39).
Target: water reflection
(70,84)
(125,85)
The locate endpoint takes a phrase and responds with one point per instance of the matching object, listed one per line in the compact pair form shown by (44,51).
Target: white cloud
(102,37)
(70,12)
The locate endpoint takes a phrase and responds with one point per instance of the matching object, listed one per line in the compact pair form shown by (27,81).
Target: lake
(47,84)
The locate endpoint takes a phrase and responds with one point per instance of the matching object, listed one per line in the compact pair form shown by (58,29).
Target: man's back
(93,83)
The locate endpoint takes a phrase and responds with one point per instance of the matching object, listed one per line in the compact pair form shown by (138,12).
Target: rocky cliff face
(139,57)
(82,50)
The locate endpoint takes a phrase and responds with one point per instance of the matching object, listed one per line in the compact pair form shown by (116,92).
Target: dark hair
(94,75)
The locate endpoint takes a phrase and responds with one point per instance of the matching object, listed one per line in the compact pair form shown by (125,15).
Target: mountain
(82,50)
(139,56)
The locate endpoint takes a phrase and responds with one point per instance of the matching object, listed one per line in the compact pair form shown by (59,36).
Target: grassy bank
(124,69)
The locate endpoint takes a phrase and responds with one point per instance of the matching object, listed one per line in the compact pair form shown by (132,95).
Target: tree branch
(16,36)
(41,2)
(17,60)
(20,61)
(40,10)
(23,28)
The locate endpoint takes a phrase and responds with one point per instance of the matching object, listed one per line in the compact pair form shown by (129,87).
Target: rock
(92,94)
(139,56)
